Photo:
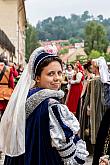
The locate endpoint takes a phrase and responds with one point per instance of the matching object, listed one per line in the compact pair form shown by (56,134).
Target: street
(89,161)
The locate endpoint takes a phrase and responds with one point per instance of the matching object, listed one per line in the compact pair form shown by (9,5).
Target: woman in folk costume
(84,117)
(75,90)
(6,83)
(69,72)
(102,146)
(93,108)
(36,129)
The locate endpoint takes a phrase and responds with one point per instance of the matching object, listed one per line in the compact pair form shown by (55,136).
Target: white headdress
(103,69)
(12,126)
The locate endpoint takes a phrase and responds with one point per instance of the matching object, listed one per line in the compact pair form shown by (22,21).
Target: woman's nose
(56,76)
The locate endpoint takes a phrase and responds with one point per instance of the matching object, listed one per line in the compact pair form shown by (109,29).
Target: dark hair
(87,66)
(45,63)
(69,65)
(3,58)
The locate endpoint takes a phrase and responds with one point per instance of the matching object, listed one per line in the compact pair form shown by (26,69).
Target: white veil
(12,126)
(103,69)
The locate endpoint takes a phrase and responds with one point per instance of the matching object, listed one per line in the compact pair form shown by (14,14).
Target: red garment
(81,70)
(74,96)
(13,73)
(3,103)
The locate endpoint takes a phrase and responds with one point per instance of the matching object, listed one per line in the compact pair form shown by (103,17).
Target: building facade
(13,23)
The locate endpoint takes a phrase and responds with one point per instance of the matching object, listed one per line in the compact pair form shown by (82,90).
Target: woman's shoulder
(31,92)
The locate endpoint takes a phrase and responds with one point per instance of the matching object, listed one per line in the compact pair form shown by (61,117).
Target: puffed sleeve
(78,78)
(64,129)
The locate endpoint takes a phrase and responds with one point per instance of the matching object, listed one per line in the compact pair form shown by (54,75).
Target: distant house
(13,23)
(79,45)
(73,55)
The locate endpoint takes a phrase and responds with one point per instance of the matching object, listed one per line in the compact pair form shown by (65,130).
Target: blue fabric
(43,55)
(38,142)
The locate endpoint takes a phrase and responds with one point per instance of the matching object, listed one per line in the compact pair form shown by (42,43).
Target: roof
(73,53)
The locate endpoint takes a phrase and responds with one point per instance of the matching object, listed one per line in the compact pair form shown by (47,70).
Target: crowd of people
(9,75)
(88,97)
(62,117)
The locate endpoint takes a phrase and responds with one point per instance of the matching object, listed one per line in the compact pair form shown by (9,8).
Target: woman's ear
(37,79)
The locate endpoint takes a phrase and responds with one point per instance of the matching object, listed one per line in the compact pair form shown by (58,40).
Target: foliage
(85,16)
(95,37)
(64,43)
(107,57)
(74,40)
(64,51)
(31,40)
(94,54)
(64,28)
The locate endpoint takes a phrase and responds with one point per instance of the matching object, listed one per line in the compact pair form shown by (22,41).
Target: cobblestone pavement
(88,162)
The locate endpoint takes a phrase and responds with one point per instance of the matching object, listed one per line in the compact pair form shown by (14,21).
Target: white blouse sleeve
(64,128)
(78,78)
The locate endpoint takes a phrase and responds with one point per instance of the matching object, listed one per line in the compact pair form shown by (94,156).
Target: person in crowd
(102,146)
(88,76)
(84,115)
(6,83)
(93,107)
(13,72)
(64,84)
(36,129)
(20,69)
(69,74)
(80,66)
(74,93)
(104,160)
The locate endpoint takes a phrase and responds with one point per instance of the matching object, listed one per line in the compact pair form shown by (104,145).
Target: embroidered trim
(107,143)
(34,100)
(67,153)
(66,147)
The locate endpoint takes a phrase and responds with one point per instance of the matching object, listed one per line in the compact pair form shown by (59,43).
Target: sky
(38,10)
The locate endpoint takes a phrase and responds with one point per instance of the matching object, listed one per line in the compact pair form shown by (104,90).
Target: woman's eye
(51,73)
(60,73)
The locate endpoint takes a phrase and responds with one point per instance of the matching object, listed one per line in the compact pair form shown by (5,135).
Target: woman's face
(51,76)
(94,67)
(76,67)
(69,68)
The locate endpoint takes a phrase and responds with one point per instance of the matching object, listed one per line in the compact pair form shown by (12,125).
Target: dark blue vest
(38,142)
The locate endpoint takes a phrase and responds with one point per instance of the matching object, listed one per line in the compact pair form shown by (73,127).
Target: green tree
(94,54)
(95,37)
(107,57)
(31,40)
(74,40)
(64,51)
(100,17)
(85,16)
(63,28)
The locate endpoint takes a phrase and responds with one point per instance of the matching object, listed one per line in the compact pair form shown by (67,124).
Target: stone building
(6,46)
(13,24)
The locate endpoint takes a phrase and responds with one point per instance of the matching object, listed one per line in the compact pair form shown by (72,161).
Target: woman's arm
(78,78)
(64,129)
